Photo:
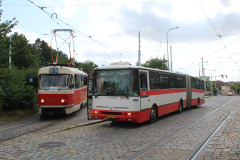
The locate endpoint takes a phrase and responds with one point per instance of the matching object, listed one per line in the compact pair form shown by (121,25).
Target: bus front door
(89,95)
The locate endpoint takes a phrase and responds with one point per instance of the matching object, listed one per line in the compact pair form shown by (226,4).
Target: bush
(15,93)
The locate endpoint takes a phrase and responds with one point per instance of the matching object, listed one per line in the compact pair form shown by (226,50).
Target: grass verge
(12,116)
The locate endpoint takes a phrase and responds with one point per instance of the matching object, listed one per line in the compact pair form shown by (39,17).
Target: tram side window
(154,80)
(77,81)
(172,79)
(70,81)
(164,81)
(193,81)
(143,80)
(81,77)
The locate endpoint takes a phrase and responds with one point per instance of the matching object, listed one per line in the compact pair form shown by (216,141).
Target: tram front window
(55,82)
(116,83)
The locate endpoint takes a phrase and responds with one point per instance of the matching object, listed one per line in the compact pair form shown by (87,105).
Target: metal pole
(211,84)
(10,53)
(171,57)
(202,67)
(139,60)
(167,44)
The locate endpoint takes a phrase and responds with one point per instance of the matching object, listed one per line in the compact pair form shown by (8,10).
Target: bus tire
(180,107)
(153,114)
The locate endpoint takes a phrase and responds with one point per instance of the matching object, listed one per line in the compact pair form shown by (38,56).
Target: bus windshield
(116,83)
(55,82)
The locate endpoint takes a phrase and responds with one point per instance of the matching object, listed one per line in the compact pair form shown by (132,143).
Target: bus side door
(145,99)
(89,95)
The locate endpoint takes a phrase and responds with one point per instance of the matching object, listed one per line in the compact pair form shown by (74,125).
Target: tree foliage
(156,63)
(15,93)
(235,86)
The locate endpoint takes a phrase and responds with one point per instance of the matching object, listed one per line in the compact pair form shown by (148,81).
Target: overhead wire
(42,8)
(215,30)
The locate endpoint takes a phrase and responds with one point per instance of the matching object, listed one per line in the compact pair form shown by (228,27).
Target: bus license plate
(110,116)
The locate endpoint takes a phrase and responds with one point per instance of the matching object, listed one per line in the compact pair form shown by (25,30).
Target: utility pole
(202,67)
(171,57)
(10,53)
(139,52)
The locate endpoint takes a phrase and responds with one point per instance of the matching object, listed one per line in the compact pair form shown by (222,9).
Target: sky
(108,31)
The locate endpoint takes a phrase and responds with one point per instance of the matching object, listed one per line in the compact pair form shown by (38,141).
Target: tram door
(89,95)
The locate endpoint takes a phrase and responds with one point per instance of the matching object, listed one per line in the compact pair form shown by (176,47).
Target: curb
(78,125)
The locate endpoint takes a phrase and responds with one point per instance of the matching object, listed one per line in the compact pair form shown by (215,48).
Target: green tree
(5,28)
(22,56)
(156,63)
(86,65)
(15,93)
(235,86)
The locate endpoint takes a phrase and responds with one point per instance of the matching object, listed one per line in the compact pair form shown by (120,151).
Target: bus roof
(129,66)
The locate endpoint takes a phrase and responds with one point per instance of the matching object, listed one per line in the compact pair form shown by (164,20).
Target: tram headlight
(62,100)
(42,100)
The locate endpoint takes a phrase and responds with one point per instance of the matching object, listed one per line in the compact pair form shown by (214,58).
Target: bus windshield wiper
(123,94)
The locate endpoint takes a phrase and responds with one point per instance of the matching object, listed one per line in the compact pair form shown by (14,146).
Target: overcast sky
(108,31)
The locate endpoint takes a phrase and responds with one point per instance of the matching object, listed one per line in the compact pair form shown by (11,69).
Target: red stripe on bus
(165,91)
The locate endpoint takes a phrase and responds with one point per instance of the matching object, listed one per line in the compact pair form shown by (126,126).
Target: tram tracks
(199,147)
(24,129)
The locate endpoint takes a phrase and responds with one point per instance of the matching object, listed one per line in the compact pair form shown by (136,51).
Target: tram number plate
(110,116)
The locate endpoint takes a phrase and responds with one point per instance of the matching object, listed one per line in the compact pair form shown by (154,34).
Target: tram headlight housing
(62,100)
(42,100)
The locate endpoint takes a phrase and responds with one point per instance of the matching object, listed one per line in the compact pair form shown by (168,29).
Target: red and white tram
(122,92)
(61,89)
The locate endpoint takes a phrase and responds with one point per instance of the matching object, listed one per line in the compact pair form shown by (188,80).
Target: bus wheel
(153,115)
(180,108)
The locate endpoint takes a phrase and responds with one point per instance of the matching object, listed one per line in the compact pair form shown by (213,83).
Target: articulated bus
(62,89)
(122,92)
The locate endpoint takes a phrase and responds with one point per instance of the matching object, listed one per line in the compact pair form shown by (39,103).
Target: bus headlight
(95,112)
(42,100)
(129,114)
(62,100)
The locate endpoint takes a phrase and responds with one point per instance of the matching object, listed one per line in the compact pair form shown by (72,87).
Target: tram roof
(65,70)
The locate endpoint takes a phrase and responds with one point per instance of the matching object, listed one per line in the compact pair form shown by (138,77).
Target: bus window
(164,81)
(143,80)
(184,81)
(179,82)
(193,81)
(172,80)
(154,80)
(116,83)
(197,84)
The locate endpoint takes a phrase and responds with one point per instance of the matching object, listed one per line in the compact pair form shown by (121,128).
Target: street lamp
(44,61)
(167,44)
(202,68)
